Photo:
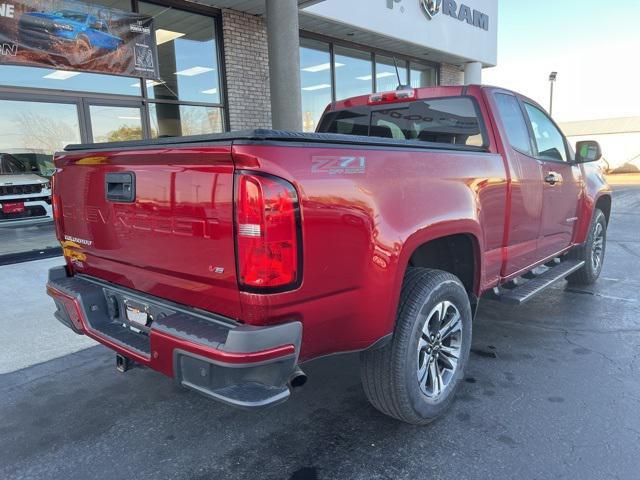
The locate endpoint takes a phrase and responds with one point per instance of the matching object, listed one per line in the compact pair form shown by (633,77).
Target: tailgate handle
(121,187)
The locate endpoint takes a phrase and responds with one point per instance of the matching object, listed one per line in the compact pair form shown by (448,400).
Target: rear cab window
(449,120)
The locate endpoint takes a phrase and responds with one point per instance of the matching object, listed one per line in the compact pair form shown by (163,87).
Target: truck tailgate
(157,220)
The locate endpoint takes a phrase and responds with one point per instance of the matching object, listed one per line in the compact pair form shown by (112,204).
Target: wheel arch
(456,254)
(455,249)
(604,203)
(82,35)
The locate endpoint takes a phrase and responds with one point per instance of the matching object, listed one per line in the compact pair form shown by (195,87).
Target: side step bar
(530,289)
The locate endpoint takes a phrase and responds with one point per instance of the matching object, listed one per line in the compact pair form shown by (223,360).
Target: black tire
(390,374)
(595,245)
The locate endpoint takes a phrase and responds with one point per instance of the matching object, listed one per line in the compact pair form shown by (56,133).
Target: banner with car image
(75,36)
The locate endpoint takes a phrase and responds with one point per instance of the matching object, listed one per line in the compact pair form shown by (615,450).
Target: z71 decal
(338,165)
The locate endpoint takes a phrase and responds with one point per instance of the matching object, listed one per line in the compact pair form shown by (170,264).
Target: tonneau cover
(263,135)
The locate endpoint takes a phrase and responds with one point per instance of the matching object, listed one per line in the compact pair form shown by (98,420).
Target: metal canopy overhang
(340,31)
(252,7)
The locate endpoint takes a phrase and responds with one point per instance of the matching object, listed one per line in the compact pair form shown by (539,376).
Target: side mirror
(588,151)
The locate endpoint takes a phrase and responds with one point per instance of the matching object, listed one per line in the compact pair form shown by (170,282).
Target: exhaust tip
(297,378)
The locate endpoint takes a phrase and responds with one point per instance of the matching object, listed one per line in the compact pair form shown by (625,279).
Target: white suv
(25,197)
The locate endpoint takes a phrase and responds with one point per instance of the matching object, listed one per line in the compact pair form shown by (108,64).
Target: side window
(548,138)
(514,122)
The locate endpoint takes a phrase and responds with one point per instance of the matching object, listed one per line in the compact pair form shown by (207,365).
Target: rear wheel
(592,252)
(414,378)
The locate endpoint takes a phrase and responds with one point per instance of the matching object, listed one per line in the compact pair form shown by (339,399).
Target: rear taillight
(269,254)
(56,208)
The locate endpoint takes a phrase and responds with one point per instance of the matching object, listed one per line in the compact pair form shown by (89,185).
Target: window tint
(548,138)
(514,122)
(445,120)
(347,122)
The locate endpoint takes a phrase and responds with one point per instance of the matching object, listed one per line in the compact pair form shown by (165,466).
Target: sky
(593,45)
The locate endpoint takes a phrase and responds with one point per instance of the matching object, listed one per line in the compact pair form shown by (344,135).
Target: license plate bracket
(137,315)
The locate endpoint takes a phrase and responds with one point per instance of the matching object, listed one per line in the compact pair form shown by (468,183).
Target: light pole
(552,79)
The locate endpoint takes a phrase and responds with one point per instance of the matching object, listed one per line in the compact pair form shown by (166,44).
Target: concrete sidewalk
(30,332)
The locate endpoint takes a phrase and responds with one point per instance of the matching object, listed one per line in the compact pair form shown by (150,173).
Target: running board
(527,291)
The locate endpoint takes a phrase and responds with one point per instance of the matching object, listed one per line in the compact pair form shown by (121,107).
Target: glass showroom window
(354,73)
(113,123)
(386,76)
(423,75)
(190,72)
(315,76)
(32,77)
(31,133)
(188,119)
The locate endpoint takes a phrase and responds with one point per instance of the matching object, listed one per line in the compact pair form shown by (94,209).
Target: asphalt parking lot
(552,391)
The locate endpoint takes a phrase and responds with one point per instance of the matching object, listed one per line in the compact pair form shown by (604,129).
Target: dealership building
(224,65)
(238,64)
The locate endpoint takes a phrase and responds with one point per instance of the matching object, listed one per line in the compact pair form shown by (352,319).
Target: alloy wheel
(597,250)
(439,349)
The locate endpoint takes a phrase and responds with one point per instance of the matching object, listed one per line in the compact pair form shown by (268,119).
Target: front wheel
(592,252)
(414,378)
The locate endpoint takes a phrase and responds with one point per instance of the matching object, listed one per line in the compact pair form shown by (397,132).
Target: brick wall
(451,75)
(247,65)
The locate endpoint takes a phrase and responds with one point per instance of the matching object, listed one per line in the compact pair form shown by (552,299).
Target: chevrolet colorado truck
(226,261)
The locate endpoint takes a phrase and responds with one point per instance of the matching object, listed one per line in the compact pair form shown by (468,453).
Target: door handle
(552,178)
(120,187)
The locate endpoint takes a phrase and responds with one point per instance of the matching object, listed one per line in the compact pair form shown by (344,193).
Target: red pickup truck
(226,261)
